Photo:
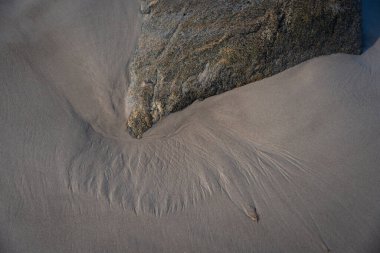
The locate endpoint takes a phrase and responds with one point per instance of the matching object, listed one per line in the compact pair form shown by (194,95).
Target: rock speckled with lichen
(193,49)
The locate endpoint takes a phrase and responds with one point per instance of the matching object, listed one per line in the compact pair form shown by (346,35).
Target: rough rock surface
(193,49)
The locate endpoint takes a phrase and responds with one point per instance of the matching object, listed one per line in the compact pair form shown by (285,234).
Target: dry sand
(287,164)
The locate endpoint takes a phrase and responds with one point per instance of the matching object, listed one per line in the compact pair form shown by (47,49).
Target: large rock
(193,49)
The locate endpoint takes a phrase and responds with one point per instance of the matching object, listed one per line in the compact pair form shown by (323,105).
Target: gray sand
(287,164)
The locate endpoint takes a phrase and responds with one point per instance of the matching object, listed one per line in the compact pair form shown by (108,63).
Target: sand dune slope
(287,164)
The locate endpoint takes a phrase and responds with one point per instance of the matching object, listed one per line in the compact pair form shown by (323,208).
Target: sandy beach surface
(287,164)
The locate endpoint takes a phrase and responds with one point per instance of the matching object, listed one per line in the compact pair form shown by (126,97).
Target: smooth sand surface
(287,164)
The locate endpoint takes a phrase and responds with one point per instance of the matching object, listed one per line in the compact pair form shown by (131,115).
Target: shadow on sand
(371,22)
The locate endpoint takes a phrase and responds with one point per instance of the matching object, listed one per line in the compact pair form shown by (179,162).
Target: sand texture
(286,164)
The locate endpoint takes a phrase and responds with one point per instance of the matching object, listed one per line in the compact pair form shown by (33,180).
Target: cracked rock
(193,49)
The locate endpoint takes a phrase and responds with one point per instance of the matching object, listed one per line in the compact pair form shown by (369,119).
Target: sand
(287,164)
